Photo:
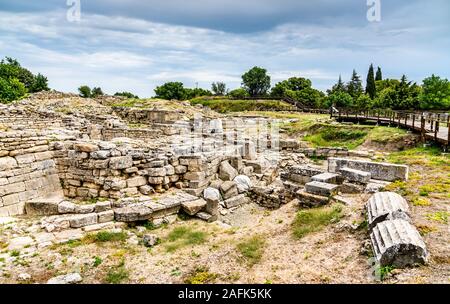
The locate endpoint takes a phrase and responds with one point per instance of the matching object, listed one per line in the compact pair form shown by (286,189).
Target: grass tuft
(252,249)
(312,220)
(184,236)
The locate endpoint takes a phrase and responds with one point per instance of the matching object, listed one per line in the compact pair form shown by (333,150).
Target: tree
(370,86)
(379,75)
(11,68)
(171,90)
(363,102)
(40,83)
(126,94)
(435,94)
(338,87)
(96,92)
(339,99)
(256,81)
(238,93)
(292,84)
(11,89)
(85,91)
(219,88)
(354,87)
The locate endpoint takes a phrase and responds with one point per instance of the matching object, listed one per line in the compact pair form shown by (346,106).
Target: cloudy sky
(135,45)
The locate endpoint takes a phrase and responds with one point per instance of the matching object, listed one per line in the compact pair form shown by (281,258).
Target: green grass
(184,236)
(424,156)
(337,136)
(312,220)
(384,134)
(252,249)
(385,271)
(105,236)
(440,216)
(117,274)
(224,105)
(97,261)
(201,275)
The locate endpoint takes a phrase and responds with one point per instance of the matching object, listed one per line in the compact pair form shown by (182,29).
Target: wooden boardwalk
(432,126)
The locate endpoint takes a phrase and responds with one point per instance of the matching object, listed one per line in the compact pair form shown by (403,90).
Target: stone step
(323,189)
(354,175)
(384,206)
(330,178)
(309,200)
(398,243)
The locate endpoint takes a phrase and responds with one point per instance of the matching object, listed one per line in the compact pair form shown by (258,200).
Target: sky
(136,45)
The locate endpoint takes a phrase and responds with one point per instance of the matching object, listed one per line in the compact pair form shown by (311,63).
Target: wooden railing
(426,122)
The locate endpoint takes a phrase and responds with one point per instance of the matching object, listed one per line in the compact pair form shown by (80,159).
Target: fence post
(414,121)
(422,128)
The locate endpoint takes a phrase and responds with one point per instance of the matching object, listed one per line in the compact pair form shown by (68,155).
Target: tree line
(397,94)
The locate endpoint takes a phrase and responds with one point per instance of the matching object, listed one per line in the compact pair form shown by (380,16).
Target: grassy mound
(224,105)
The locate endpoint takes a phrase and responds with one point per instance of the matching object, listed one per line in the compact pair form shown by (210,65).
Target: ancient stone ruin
(82,172)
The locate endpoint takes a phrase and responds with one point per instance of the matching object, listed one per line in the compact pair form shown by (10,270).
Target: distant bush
(96,92)
(85,91)
(239,93)
(126,94)
(219,88)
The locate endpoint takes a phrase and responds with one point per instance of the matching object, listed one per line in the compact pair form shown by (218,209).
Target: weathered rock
(71,278)
(132,213)
(351,188)
(211,194)
(136,181)
(207,217)
(227,172)
(306,199)
(236,201)
(102,206)
(7,163)
(66,207)
(380,171)
(146,190)
(150,240)
(20,242)
(398,243)
(193,207)
(243,183)
(329,178)
(106,216)
(323,189)
(120,162)
(84,209)
(384,206)
(43,206)
(301,174)
(82,220)
(354,175)
(85,147)
(229,189)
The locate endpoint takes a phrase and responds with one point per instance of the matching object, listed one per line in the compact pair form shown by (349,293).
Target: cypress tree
(379,75)
(370,87)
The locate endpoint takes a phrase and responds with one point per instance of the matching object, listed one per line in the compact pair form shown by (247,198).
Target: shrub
(238,93)
(85,91)
(11,89)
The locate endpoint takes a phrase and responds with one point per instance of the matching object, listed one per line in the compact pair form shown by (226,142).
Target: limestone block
(354,175)
(106,216)
(227,172)
(323,189)
(193,207)
(243,183)
(7,163)
(82,220)
(136,181)
(236,201)
(85,147)
(120,162)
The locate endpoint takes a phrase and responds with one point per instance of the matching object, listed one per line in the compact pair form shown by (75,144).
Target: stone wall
(147,115)
(27,170)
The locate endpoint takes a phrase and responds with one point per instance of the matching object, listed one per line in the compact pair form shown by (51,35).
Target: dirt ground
(331,255)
